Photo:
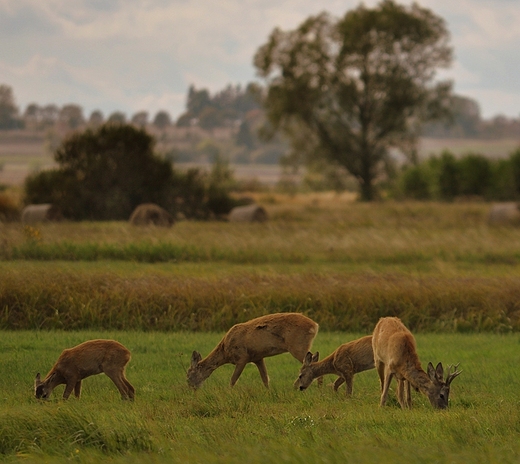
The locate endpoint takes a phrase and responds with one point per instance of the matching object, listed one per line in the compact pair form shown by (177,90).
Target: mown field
(451,277)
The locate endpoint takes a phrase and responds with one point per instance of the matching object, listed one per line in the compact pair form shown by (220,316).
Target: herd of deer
(390,349)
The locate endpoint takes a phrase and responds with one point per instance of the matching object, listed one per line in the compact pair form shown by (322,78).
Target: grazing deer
(88,358)
(254,340)
(395,354)
(348,359)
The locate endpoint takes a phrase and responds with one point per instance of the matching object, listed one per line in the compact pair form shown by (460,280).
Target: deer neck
(326,366)
(214,360)
(418,378)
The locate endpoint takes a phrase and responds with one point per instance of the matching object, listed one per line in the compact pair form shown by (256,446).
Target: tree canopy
(104,174)
(349,89)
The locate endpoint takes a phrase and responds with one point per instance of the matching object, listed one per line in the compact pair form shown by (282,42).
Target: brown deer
(88,358)
(395,355)
(254,340)
(348,359)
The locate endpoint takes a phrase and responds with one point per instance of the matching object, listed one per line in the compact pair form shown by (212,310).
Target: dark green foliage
(448,176)
(472,175)
(475,175)
(104,174)
(415,183)
(515,171)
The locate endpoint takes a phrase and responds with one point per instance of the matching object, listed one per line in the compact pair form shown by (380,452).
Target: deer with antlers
(395,355)
(251,342)
(89,358)
(348,359)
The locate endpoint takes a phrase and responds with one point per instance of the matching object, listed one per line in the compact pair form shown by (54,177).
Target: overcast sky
(132,55)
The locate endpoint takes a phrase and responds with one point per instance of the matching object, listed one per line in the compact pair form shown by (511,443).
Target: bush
(448,176)
(415,183)
(515,171)
(104,174)
(475,175)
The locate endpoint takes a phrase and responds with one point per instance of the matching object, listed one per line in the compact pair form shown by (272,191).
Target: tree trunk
(366,189)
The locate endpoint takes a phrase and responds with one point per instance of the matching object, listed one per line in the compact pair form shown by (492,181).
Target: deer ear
(439,372)
(431,371)
(37,379)
(308,358)
(316,357)
(195,358)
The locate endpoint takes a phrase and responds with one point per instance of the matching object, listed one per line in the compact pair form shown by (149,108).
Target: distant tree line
(229,108)
(472,175)
(226,108)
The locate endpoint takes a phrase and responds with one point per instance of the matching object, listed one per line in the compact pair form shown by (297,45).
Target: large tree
(350,89)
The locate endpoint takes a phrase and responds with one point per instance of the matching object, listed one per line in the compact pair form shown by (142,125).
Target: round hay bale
(502,214)
(249,213)
(151,214)
(41,213)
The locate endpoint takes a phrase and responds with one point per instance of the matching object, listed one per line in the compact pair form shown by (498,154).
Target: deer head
(41,389)
(306,374)
(439,390)
(196,372)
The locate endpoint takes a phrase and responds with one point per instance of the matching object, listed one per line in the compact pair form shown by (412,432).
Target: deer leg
(400,393)
(339,381)
(380,367)
(408,394)
(263,372)
(348,379)
(386,385)
(68,388)
(116,377)
(130,388)
(237,372)
(77,389)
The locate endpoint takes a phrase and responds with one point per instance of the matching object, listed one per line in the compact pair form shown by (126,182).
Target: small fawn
(89,358)
(251,342)
(395,355)
(348,359)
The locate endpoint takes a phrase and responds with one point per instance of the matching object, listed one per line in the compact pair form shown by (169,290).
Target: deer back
(357,355)
(92,357)
(394,345)
(270,335)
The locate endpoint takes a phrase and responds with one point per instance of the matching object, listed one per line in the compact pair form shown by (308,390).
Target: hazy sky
(132,55)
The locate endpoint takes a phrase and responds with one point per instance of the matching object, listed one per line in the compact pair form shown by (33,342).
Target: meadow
(168,422)
(452,278)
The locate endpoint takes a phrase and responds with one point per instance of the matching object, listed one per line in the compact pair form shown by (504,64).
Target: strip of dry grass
(438,266)
(68,301)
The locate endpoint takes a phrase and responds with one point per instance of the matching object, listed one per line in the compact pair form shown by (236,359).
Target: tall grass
(46,299)
(440,267)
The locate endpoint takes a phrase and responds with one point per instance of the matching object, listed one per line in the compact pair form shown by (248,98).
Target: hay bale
(151,214)
(504,214)
(249,213)
(41,213)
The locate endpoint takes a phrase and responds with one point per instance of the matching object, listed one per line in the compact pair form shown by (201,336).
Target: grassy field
(451,277)
(438,266)
(170,423)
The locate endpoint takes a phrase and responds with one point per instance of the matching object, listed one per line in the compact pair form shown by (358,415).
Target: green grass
(170,423)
